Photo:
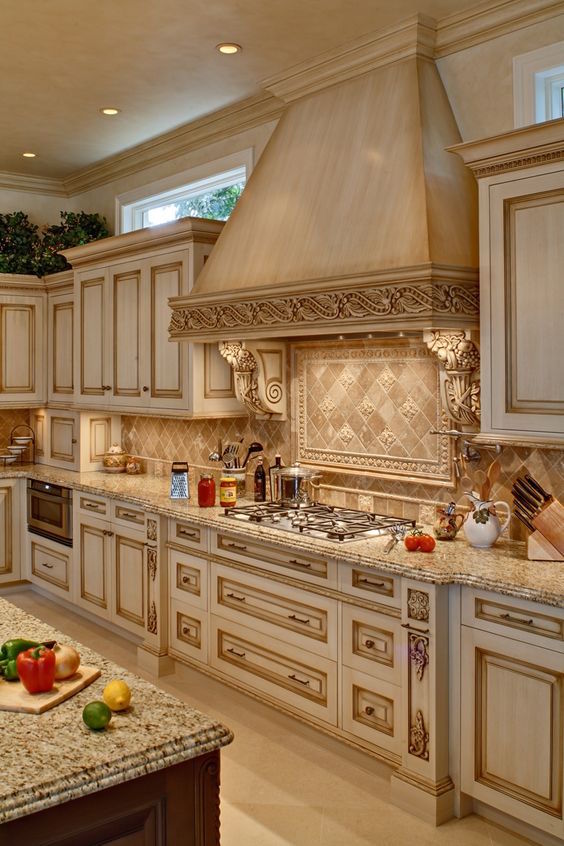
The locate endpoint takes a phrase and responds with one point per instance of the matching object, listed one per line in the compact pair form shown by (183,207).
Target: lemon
(117,695)
(96,715)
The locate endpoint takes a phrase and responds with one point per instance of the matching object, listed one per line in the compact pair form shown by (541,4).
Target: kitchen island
(152,777)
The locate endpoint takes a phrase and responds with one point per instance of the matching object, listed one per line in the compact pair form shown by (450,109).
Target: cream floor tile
(283,783)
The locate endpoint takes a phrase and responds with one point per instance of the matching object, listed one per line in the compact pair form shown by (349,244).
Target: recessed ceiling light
(110,111)
(229,47)
(28,155)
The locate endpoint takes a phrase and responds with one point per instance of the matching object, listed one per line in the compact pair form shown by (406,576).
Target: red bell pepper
(36,669)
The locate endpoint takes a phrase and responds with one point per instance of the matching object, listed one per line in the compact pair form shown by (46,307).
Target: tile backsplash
(8,420)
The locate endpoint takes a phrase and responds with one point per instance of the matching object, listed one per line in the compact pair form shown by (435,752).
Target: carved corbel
(260,375)
(460,376)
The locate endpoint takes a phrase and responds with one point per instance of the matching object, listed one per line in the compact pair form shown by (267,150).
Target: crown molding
(32,184)
(414,36)
(221,124)
(486,21)
(62,281)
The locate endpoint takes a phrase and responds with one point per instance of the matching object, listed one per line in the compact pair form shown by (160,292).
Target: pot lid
(296,471)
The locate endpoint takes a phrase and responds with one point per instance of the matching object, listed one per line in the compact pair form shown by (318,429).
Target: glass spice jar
(206,491)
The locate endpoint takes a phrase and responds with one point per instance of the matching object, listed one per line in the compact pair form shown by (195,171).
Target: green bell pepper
(10,650)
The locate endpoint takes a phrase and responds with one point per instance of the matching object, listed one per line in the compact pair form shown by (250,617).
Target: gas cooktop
(321,521)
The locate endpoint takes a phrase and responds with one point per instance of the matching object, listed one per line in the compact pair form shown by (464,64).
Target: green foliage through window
(216,205)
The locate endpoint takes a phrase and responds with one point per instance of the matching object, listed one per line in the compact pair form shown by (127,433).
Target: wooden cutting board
(14,696)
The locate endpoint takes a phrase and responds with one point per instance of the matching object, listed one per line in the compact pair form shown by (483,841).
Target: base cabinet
(11,517)
(92,539)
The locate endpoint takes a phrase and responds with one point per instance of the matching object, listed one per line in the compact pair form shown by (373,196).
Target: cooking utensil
(493,472)
(295,484)
(255,446)
(545,514)
(481,480)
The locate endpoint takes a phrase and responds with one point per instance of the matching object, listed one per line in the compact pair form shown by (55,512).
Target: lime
(117,695)
(96,715)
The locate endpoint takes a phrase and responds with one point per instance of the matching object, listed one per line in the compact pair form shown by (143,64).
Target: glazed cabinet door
(22,381)
(521,307)
(10,517)
(130,335)
(129,579)
(512,745)
(60,362)
(93,337)
(92,540)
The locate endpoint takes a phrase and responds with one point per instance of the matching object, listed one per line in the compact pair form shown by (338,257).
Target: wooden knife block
(541,549)
(547,542)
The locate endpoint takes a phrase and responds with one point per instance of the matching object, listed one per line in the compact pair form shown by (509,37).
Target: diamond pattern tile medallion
(366,408)
(346,379)
(346,434)
(327,405)
(409,408)
(387,438)
(386,378)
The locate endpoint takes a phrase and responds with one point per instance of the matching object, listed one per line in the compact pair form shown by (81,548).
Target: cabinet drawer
(89,505)
(187,534)
(372,710)
(128,515)
(300,679)
(188,578)
(304,566)
(368,584)
(371,643)
(517,618)
(304,619)
(189,631)
(50,566)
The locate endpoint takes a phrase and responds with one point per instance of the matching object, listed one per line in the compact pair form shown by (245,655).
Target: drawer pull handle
(295,678)
(297,563)
(236,546)
(511,619)
(186,534)
(414,628)
(129,516)
(299,619)
(95,505)
(238,598)
(369,710)
(369,644)
(365,581)
(187,580)
(237,654)
(48,566)
(108,533)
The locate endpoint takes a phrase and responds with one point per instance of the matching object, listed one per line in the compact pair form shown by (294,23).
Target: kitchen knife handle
(528,493)
(533,482)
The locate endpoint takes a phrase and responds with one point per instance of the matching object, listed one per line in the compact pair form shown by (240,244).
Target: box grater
(179,485)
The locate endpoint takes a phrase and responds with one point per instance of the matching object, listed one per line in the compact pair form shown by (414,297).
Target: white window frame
(131,205)
(538,77)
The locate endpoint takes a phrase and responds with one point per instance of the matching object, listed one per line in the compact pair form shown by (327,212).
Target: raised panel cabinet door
(63,440)
(93,338)
(130,581)
(61,347)
(21,343)
(513,696)
(92,539)
(169,361)
(130,328)
(9,539)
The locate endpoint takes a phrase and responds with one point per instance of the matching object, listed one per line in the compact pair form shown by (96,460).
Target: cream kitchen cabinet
(521,188)
(124,359)
(22,340)
(12,510)
(72,439)
(512,699)
(60,337)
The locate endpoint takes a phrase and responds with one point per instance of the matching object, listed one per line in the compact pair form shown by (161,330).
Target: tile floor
(283,784)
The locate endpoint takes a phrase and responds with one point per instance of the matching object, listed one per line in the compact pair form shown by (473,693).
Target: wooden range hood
(355,219)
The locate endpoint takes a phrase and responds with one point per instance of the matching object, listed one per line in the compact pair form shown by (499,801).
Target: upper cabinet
(22,338)
(60,337)
(521,185)
(123,357)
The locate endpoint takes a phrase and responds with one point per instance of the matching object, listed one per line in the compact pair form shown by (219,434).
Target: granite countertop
(503,569)
(52,757)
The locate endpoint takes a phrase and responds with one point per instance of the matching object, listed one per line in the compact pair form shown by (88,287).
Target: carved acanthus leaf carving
(460,358)
(419,738)
(246,372)
(418,654)
(152,562)
(152,623)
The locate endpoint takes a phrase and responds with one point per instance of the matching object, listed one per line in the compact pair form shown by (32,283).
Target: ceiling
(63,60)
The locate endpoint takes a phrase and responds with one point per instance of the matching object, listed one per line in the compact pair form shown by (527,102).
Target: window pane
(217,204)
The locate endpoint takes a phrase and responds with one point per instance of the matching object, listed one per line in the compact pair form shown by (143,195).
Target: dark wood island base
(176,806)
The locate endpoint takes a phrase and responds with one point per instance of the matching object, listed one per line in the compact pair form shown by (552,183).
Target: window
(538,85)
(210,191)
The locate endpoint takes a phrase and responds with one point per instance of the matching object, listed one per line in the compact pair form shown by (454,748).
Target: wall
(41,208)
(8,420)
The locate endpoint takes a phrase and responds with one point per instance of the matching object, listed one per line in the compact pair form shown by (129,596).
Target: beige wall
(479,80)
(41,208)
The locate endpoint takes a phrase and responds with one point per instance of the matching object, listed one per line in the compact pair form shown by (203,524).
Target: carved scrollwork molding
(152,562)
(418,605)
(152,622)
(418,654)
(259,373)
(419,738)
(460,358)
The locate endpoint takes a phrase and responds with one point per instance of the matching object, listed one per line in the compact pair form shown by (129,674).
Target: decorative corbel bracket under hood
(460,373)
(260,376)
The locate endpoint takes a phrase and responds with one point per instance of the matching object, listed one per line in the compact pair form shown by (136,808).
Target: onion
(67,661)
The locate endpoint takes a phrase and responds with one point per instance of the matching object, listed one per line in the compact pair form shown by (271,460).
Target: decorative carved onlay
(419,738)
(342,308)
(418,653)
(418,605)
(151,530)
(152,623)
(260,375)
(152,562)
(460,358)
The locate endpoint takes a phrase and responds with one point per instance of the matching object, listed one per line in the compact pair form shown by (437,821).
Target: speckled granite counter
(504,568)
(53,758)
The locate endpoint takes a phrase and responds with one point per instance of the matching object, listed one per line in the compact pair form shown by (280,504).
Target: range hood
(355,219)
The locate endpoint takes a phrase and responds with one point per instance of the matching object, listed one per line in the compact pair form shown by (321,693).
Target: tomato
(412,542)
(426,543)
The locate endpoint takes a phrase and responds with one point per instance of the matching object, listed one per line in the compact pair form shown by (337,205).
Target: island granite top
(503,569)
(52,757)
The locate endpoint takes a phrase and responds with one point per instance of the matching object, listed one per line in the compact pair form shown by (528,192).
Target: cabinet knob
(106,387)
(369,710)
(145,388)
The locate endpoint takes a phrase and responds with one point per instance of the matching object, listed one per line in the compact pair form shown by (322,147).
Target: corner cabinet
(521,185)
(124,360)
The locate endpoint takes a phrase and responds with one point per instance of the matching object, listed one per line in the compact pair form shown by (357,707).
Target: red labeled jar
(206,491)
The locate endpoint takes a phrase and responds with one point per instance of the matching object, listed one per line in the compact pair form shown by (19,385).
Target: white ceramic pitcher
(482,526)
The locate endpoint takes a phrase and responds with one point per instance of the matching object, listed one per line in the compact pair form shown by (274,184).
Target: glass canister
(206,491)
(228,491)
